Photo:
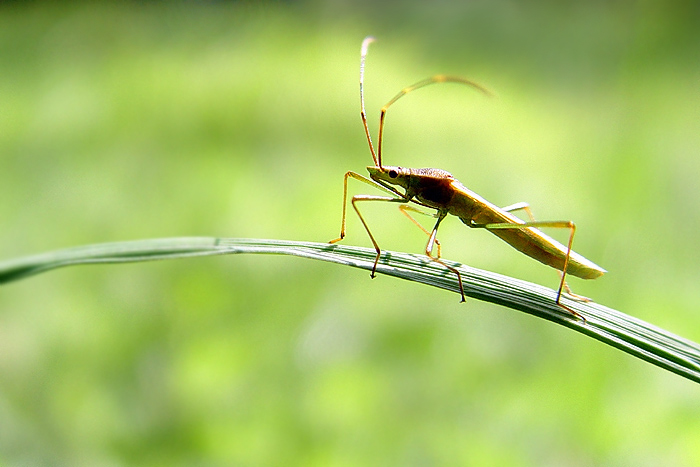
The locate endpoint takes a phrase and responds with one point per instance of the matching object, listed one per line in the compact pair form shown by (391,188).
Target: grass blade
(612,327)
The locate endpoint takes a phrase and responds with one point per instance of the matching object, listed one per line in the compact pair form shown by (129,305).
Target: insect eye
(393,174)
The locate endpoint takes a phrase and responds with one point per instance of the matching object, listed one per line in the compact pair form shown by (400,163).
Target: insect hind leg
(522,206)
(575,296)
(563,286)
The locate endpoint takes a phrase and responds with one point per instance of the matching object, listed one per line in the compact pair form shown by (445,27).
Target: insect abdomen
(539,246)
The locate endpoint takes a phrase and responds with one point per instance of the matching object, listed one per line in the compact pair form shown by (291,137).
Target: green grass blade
(612,327)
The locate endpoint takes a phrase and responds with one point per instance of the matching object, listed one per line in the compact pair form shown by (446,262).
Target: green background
(129,121)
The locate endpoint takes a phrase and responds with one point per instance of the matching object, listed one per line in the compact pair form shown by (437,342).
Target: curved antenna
(404,91)
(363,53)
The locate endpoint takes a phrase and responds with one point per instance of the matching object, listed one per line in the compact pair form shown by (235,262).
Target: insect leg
(404,208)
(357,198)
(363,179)
(522,206)
(526,207)
(432,240)
(555,224)
(429,248)
(573,295)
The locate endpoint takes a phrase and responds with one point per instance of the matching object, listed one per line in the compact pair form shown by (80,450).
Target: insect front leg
(387,199)
(363,179)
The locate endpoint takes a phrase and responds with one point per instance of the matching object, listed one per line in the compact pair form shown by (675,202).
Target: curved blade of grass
(612,327)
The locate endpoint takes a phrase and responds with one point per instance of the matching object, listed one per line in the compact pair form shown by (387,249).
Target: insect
(439,190)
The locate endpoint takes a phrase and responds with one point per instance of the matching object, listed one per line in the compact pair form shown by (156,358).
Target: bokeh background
(133,120)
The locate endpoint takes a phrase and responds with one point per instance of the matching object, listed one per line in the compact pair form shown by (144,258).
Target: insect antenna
(365,46)
(419,84)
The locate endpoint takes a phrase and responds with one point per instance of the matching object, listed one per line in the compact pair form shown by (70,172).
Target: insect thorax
(435,173)
(433,188)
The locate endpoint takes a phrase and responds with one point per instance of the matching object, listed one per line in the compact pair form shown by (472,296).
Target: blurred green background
(136,120)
